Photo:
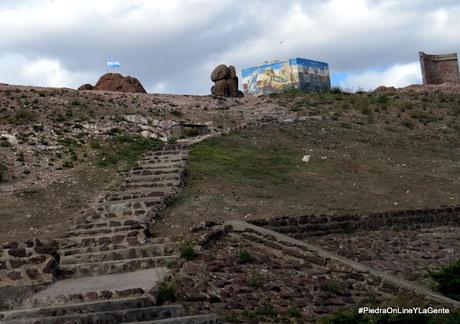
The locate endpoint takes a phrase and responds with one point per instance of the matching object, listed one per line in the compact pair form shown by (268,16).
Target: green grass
(122,149)
(167,291)
(187,251)
(244,162)
(244,256)
(448,280)
(23,116)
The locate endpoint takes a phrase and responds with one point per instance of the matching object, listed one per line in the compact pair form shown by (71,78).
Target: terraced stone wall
(311,225)
(32,262)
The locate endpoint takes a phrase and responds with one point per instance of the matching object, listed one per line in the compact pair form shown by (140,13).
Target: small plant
(244,256)
(76,103)
(334,287)
(176,113)
(3,170)
(23,116)
(336,89)
(448,280)
(382,99)
(294,311)
(255,280)
(167,291)
(187,251)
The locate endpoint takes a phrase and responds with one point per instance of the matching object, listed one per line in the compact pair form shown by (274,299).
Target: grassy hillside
(370,152)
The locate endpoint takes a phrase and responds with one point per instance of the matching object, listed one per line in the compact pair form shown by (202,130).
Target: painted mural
(279,76)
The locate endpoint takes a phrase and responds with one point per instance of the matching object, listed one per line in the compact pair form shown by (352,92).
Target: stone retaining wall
(313,225)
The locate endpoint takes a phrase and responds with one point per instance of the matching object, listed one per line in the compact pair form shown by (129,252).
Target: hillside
(155,199)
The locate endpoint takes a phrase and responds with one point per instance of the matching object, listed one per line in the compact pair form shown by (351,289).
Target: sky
(172,46)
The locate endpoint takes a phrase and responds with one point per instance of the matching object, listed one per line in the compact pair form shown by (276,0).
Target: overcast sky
(172,45)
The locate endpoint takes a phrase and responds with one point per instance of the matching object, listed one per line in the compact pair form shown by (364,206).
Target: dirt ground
(48,211)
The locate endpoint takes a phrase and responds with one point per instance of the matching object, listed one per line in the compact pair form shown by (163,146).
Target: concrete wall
(279,76)
(438,69)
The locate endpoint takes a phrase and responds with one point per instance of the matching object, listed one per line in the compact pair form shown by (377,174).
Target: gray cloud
(172,46)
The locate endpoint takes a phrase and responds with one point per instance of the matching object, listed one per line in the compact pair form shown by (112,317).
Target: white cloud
(399,75)
(173,45)
(39,72)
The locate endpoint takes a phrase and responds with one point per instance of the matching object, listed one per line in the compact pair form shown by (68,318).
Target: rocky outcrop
(86,86)
(116,82)
(226,82)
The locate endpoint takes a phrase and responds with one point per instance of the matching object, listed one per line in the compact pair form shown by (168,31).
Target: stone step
(146,171)
(123,253)
(101,239)
(111,267)
(113,222)
(111,316)
(104,230)
(129,202)
(192,319)
(104,287)
(135,194)
(163,178)
(89,307)
(172,186)
(160,166)
(171,158)
(111,247)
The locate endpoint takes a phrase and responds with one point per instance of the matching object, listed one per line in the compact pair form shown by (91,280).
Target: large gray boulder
(221,72)
(226,82)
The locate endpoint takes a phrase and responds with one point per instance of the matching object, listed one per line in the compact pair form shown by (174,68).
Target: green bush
(23,116)
(167,291)
(244,256)
(448,280)
(187,251)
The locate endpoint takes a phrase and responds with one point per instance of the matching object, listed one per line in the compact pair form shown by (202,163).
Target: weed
(448,280)
(176,113)
(255,280)
(336,89)
(23,116)
(244,256)
(167,291)
(187,251)
(334,287)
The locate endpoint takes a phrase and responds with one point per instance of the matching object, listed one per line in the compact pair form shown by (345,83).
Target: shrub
(23,116)
(3,171)
(336,89)
(167,291)
(244,256)
(255,280)
(187,251)
(448,280)
(334,287)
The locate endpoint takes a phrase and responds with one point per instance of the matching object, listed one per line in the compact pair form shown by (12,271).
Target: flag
(113,64)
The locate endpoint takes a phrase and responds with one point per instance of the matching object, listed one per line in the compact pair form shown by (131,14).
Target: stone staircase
(110,265)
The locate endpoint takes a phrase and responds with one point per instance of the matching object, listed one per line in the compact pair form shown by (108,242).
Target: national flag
(113,64)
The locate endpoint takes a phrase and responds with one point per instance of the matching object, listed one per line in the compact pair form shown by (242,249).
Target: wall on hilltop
(438,69)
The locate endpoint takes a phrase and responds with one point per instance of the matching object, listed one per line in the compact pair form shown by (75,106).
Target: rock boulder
(116,82)
(226,82)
